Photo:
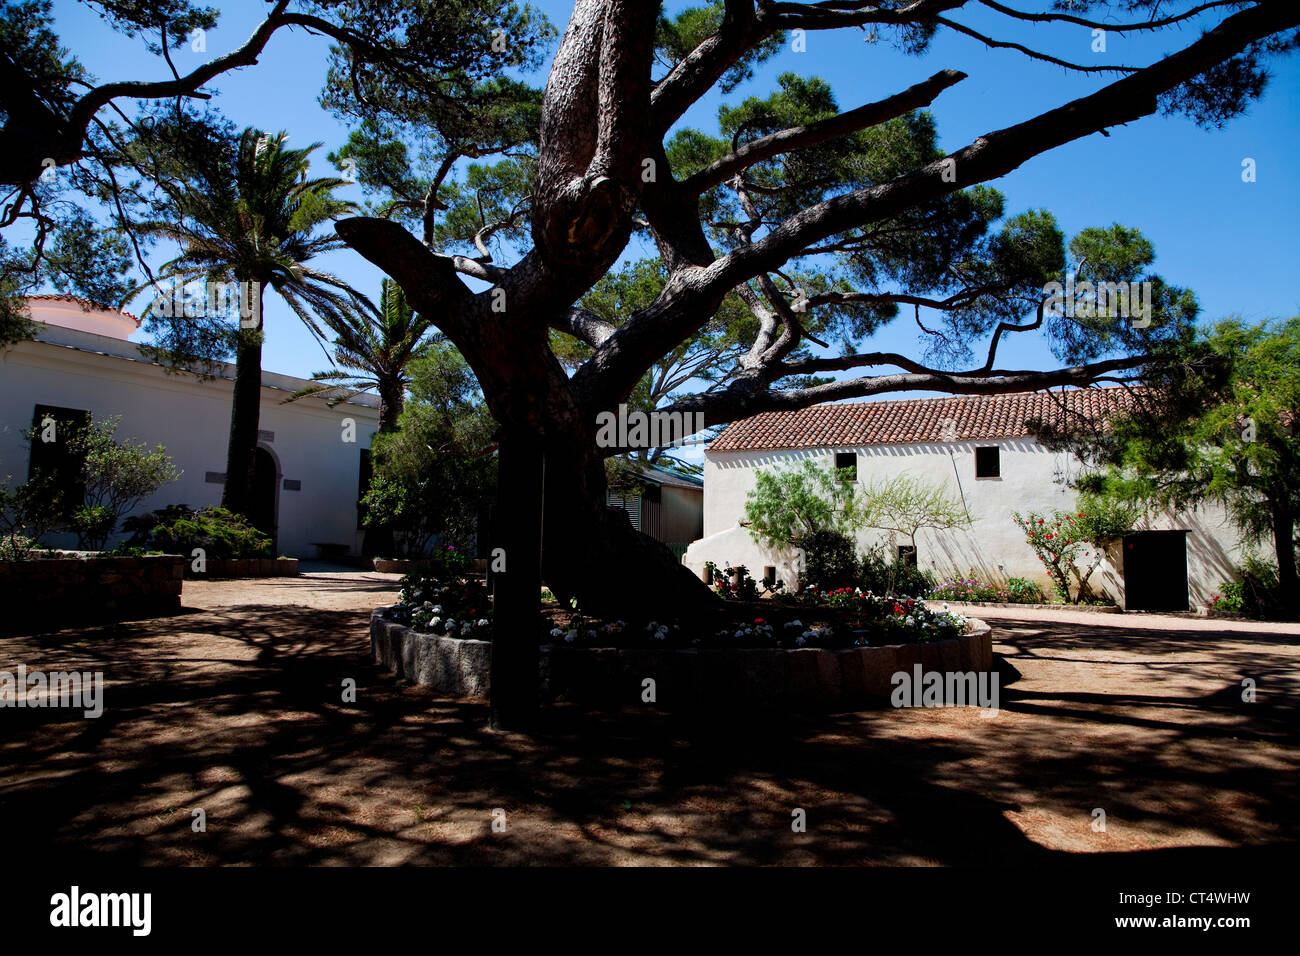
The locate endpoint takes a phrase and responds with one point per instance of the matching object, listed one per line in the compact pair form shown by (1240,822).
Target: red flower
(758,620)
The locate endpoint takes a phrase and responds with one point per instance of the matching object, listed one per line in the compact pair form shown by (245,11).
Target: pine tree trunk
(517,586)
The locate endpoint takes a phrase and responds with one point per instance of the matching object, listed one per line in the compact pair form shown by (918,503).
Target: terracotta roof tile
(962,418)
(87,304)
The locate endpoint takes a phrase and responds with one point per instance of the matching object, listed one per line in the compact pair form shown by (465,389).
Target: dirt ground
(235,706)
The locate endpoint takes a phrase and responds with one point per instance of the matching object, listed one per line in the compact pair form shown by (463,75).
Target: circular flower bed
(680,676)
(460,607)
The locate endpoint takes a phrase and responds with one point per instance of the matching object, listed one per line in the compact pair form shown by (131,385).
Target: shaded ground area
(236,707)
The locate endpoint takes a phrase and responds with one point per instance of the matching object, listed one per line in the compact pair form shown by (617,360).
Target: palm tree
(250,217)
(372,353)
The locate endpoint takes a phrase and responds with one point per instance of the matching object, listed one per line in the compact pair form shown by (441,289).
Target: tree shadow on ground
(242,712)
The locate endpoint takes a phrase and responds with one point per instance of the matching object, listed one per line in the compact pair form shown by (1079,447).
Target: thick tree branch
(746,397)
(800,137)
(429,281)
(584,325)
(692,294)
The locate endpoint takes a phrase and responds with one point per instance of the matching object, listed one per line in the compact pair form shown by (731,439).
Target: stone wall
(57,592)
(244,568)
(803,677)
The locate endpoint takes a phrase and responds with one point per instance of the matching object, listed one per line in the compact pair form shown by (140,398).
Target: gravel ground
(235,706)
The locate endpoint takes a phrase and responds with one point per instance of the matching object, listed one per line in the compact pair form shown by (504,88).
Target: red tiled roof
(86,304)
(972,417)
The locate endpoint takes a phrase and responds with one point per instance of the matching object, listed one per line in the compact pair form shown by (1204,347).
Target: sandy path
(236,707)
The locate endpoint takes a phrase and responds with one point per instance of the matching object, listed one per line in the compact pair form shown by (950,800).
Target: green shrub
(93,524)
(830,560)
(736,583)
(881,574)
(27,513)
(1023,591)
(1257,592)
(178,529)
(447,563)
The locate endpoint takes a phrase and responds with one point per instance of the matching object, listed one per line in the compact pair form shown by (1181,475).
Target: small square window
(849,460)
(987,463)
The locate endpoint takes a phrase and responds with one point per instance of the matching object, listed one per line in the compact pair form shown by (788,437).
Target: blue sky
(1234,243)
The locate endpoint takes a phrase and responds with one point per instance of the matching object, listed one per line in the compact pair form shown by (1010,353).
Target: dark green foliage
(881,573)
(432,475)
(830,560)
(27,513)
(178,529)
(1256,592)
(1022,591)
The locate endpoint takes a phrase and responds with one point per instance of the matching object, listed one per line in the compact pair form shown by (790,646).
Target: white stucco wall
(1032,479)
(191,418)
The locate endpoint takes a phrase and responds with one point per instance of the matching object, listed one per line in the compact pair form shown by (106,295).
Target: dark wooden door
(1155,571)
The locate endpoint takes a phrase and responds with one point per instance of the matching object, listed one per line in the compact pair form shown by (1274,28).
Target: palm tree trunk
(245,416)
(391,402)
(378,540)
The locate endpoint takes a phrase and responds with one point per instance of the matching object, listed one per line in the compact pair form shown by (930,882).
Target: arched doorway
(265,488)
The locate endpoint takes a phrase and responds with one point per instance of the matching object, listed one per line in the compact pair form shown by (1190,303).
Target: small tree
(1073,543)
(906,505)
(27,513)
(784,506)
(433,473)
(1101,521)
(1054,541)
(117,476)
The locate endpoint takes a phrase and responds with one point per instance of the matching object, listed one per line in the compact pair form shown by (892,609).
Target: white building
(309,474)
(979,449)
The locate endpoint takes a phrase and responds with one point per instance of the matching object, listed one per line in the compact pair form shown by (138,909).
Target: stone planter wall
(1093,608)
(245,568)
(803,677)
(58,592)
(406,565)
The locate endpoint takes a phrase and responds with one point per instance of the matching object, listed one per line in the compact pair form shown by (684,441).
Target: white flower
(556,632)
(801,640)
(481,622)
(434,622)
(793,624)
(652,626)
(591,635)
(436,609)
(427,605)
(571,636)
(621,623)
